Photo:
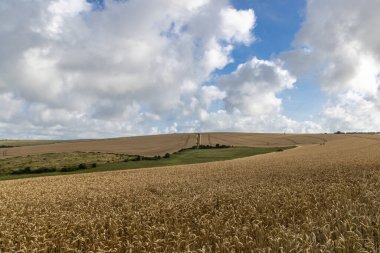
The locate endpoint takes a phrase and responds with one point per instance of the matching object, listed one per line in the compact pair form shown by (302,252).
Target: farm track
(209,139)
(186,142)
(310,199)
(237,139)
(291,140)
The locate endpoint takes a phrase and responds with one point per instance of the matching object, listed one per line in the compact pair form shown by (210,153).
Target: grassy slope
(184,157)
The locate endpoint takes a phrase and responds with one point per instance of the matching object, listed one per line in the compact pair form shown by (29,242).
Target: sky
(105,68)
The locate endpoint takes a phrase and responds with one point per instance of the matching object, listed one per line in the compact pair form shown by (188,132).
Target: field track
(161,144)
(315,198)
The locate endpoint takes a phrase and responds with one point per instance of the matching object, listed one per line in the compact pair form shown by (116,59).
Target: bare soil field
(314,198)
(161,144)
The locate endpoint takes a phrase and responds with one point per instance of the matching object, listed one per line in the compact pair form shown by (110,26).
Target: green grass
(57,160)
(189,156)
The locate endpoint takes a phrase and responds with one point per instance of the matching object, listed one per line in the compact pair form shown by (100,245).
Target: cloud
(125,68)
(338,46)
(68,70)
(251,101)
(236,25)
(352,112)
(252,88)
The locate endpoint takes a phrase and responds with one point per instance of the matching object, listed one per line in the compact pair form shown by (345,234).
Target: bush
(6,146)
(137,158)
(44,170)
(28,170)
(82,166)
(167,155)
(154,158)
(25,170)
(69,168)
(211,147)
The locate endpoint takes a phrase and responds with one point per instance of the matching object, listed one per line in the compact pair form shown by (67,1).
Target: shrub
(167,155)
(154,158)
(5,146)
(211,147)
(28,170)
(43,170)
(68,169)
(25,170)
(82,166)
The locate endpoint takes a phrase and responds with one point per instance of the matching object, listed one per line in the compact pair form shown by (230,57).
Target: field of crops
(141,145)
(314,198)
(159,144)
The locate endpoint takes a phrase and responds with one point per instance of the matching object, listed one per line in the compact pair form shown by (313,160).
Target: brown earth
(314,198)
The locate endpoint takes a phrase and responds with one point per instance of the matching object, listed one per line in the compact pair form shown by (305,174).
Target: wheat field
(161,144)
(314,198)
(141,145)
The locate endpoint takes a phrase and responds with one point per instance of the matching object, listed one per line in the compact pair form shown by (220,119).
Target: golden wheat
(315,198)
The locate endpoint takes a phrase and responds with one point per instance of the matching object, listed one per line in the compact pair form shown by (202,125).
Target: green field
(110,161)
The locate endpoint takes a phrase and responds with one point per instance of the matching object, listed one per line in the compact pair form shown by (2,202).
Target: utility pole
(198,140)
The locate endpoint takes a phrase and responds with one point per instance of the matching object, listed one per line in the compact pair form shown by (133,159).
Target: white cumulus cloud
(136,67)
(339,46)
(251,100)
